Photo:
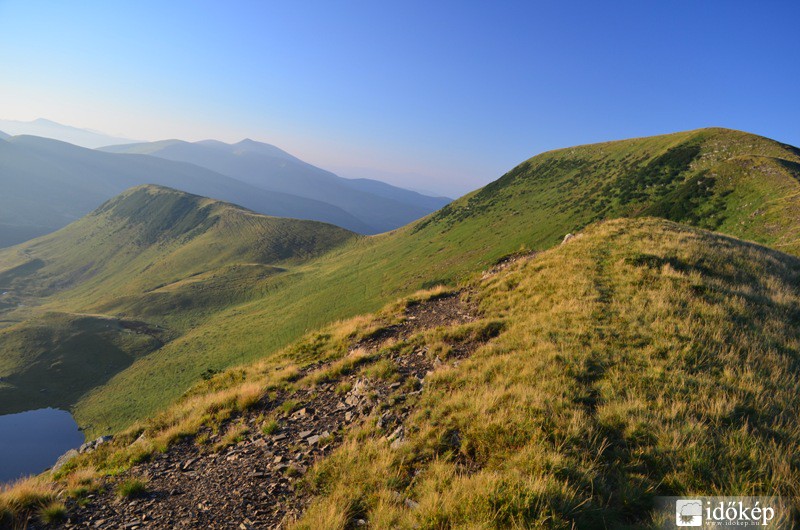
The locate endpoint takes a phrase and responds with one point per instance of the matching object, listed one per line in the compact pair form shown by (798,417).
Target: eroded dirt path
(254,483)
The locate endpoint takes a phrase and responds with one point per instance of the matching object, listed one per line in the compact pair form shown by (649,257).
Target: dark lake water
(31,441)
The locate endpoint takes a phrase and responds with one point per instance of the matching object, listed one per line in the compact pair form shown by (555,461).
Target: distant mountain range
(49,183)
(57,131)
(380,205)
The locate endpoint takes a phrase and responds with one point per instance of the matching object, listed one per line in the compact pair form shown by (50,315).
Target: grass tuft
(53,513)
(270,427)
(132,488)
(24,498)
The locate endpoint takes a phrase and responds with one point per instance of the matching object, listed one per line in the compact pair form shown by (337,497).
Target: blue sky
(448,94)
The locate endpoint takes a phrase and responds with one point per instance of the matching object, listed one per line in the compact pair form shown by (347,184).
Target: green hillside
(48,184)
(731,181)
(84,303)
(734,182)
(642,358)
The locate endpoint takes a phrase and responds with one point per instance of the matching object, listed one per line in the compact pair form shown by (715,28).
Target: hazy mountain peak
(58,131)
(211,143)
(379,206)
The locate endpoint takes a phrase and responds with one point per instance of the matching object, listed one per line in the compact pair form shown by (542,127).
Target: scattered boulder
(567,238)
(397,437)
(63,459)
(94,444)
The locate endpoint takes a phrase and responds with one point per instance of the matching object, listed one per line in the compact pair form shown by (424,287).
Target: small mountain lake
(32,441)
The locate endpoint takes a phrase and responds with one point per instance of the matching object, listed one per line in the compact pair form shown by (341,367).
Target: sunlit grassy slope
(119,283)
(716,178)
(642,358)
(720,179)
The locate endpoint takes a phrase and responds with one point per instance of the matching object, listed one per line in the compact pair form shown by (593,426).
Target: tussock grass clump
(270,427)
(53,512)
(343,388)
(345,365)
(132,488)
(382,369)
(24,498)
(81,482)
(289,406)
(236,433)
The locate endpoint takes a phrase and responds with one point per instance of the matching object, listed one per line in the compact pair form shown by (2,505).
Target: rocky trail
(255,483)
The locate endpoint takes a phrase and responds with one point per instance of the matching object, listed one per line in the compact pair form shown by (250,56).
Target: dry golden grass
(235,433)
(213,402)
(24,498)
(642,359)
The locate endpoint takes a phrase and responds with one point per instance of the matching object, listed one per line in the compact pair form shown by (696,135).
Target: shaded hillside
(566,390)
(381,206)
(134,274)
(48,184)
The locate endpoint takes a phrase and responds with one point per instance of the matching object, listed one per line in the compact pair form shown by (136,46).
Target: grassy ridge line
(153,254)
(532,206)
(152,236)
(643,358)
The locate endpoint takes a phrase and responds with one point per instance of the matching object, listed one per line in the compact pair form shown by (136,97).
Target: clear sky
(452,94)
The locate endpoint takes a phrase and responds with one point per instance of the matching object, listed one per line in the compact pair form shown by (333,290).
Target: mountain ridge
(145,256)
(531,207)
(271,168)
(621,364)
(49,183)
(50,129)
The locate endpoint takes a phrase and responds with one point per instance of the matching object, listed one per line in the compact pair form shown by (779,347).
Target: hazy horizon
(413,182)
(445,97)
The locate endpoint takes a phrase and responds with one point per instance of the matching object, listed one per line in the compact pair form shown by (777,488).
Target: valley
(623,358)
